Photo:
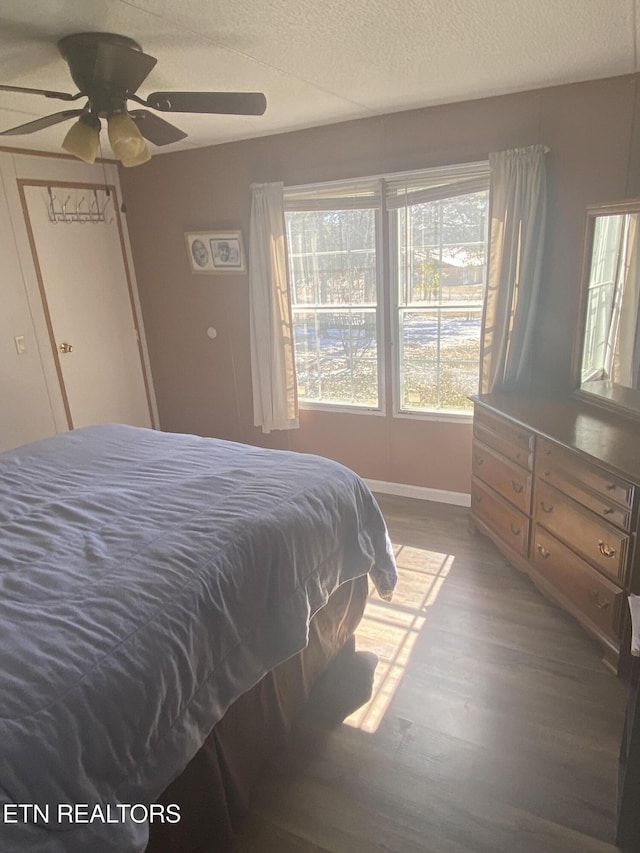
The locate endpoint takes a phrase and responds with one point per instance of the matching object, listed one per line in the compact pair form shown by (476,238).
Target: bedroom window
(332,239)
(434,257)
(438,231)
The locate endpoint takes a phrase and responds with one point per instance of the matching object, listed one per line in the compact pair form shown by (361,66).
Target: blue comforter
(146,581)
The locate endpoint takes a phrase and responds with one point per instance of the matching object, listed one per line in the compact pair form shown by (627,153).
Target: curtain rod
(385,175)
(394,175)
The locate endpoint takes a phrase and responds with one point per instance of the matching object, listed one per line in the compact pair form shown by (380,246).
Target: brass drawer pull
(610,487)
(515,530)
(546,507)
(608,511)
(606,550)
(517,487)
(600,602)
(477,459)
(547,473)
(543,551)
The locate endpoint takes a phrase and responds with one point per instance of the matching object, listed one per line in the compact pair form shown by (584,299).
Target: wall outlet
(21,344)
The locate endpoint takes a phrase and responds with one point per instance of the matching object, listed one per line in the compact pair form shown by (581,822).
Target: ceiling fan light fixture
(127,142)
(108,70)
(83,138)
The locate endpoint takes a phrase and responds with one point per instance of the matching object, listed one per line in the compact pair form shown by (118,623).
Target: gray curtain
(516,245)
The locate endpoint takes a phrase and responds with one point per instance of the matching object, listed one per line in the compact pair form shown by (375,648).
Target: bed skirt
(214,789)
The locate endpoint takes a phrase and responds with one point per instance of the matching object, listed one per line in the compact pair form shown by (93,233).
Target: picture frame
(211,252)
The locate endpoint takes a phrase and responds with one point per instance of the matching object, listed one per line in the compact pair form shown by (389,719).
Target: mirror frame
(616,398)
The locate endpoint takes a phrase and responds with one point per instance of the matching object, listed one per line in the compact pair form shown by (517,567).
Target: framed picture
(215,251)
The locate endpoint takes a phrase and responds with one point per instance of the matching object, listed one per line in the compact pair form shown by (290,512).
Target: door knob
(64,348)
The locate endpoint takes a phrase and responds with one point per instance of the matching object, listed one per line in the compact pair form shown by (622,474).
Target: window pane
(308,379)
(439,358)
(332,256)
(460,335)
(333,272)
(457,381)
(335,382)
(304,335)
(349,333)
(441,267)
(336,356)
(442,250)
(420,385)
(419,335)
(365,382)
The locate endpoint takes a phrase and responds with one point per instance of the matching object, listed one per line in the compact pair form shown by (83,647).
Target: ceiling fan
(108,69)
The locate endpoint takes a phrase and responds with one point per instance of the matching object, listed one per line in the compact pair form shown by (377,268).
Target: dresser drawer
(551,460)
(603,545)
(599,600)
(508,479)
(503,445)
(511,526)
(504,436)
(601,506)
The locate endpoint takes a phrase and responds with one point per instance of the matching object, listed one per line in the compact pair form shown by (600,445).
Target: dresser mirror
(608,340)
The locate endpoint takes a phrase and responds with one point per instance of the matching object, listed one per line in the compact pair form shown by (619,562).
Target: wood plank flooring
(494,725)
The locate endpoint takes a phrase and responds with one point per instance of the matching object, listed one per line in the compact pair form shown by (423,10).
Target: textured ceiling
(318,62)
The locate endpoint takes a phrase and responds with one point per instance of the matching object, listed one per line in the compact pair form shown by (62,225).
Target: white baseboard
(422,493)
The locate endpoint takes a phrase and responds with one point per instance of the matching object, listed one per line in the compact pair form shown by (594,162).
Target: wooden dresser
(556,486)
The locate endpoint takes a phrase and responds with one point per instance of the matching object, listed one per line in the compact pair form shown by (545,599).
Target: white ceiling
(317,62)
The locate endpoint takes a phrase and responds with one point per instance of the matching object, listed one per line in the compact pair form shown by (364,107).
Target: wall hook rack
(88,208)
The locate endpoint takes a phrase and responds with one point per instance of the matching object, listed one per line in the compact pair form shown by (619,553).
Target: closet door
(87,294)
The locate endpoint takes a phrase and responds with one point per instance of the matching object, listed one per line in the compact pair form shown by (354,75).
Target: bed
(154,587)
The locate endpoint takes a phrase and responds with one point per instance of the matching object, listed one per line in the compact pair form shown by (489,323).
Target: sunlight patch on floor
(390,629)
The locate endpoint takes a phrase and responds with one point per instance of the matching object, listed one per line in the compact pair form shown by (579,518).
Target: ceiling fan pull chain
(108,201)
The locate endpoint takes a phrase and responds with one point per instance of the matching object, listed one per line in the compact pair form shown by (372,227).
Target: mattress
(147,580)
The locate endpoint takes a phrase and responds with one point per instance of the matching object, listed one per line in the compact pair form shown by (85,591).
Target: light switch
(21,344)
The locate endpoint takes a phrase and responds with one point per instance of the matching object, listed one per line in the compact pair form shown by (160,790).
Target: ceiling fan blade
(41,123)
(62,96)
(231,103)
(156,129)
(122,66)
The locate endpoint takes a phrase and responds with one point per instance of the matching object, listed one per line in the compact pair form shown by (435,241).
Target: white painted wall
(31,404)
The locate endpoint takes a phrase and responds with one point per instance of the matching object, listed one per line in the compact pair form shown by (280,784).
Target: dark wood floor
(494,725)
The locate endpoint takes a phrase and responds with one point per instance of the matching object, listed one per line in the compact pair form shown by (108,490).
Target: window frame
(388,306)
(343,407)
(444,415)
